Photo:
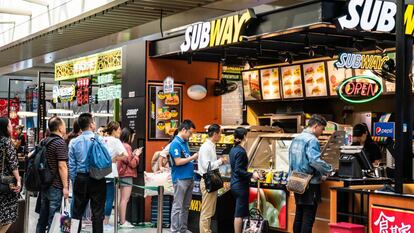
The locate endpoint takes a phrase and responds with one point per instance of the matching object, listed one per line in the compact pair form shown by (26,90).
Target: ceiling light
(98,114)
(26,114)
(289,58)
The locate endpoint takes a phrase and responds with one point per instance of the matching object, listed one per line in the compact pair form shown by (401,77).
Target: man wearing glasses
(182,172)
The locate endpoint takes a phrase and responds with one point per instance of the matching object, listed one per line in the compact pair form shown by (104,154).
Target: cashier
(361,136)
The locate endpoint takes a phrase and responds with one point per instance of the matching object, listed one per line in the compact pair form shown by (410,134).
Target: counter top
(361,181)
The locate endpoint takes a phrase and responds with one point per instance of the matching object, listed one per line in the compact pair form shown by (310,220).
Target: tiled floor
(34,216)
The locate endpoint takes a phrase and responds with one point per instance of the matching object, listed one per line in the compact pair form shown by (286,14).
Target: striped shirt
(56,151)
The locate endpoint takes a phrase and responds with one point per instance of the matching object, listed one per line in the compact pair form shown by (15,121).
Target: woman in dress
(240,178)
(8,201)
(117,152)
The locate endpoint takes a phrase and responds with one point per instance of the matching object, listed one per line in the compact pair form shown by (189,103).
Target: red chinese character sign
(386,220)
(82,91)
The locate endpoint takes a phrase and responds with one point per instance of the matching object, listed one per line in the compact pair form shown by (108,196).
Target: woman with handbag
(240,178)
(127,169)
(10,184)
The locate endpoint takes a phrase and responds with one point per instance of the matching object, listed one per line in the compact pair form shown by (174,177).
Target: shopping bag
(65,218)
(158,179)
(55,226)
(255,223)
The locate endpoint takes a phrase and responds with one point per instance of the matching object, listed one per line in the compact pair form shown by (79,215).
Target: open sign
(360,89)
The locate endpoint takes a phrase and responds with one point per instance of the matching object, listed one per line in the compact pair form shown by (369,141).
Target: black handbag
(212,179)
(6,181)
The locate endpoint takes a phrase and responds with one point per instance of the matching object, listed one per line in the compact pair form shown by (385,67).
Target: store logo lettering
(359,61)
(375,16)
(218,32)
(383,131)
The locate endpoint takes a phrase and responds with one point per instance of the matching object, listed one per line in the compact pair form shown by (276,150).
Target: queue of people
(67,158)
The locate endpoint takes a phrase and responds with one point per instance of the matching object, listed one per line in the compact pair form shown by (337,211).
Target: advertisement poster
(166,112)
(315,79)
(270,83)
(251,85)
(272,206)
(385,219)
(292,82)
(336,76)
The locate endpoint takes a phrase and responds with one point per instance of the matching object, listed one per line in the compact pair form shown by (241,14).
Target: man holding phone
(127,170)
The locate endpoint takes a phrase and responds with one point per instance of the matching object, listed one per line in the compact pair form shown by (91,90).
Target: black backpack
(39,176)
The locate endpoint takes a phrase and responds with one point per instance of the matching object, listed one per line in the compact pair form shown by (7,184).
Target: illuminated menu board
(270,83)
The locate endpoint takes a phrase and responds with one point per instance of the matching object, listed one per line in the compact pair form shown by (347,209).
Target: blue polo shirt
(179,149)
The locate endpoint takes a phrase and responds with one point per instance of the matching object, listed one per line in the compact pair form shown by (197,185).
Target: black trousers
(304,218)
(86,189)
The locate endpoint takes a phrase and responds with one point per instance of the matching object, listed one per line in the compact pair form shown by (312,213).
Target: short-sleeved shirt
(56,151)
(179,149)
(115,148)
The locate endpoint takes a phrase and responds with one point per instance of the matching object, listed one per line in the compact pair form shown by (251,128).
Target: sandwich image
(266,92)
(276,91)
(309,70)
(266,82)
(297,82)
(297,72)
(288,92)
(266,74)
(320,69)
(320,80)
(298,91)
(309,80)
(287,82)
(287,72)
(275,82)
(316,90)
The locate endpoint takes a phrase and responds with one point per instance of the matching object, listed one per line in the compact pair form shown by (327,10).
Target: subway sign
(222,31)
(360,61)
(375,15)
(360,89)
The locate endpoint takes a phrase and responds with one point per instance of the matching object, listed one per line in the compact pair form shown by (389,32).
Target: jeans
(87,189)
(110,196)
(50,203)
(304,218)
(183,192)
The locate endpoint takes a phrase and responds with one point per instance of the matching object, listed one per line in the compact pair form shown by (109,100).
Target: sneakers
(108,228)
(126,225)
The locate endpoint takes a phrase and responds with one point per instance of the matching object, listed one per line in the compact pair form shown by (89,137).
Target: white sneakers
(126,225)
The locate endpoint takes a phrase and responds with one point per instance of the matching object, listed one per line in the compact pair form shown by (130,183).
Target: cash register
(353,163)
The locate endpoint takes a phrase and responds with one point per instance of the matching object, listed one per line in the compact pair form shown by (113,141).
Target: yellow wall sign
(222,31)
(91,65)
(195,205)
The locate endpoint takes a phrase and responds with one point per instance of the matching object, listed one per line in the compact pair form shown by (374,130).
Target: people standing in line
(8,201)
(240,178)
(76,131)
(305,157)
(57,159)
(85,188)
(207,157)
(101,131)
(117,151)
(182,172)
(127,169)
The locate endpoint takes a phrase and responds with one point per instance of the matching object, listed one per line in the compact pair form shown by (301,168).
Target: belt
(82,174)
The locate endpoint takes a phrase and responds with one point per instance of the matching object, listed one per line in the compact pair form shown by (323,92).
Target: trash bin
(345,227)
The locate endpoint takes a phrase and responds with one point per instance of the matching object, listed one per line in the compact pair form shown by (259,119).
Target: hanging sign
(360,89)
(222,31)
(391,220)
(168,85)
(82,91)
(91,65)
(105,79)
(377,15)
(360,61)
(62,94)
(109,93)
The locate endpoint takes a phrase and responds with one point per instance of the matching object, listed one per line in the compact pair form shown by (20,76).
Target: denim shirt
(305,157)
(78,152)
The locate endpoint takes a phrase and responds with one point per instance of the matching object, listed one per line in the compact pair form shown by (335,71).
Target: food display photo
(251,85)
(315,79)
(270,83)
(292,82)
(336,76)
(166,112)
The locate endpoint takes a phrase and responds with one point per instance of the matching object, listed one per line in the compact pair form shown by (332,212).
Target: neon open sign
(360,89)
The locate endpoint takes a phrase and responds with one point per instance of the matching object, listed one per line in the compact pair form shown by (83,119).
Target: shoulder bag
(212,179)
(6,181)
(298,182)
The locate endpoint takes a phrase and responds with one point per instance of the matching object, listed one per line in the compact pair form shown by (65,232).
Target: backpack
(100,162)
(39,176)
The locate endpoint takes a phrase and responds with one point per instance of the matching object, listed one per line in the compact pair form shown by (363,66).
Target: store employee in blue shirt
(182,172)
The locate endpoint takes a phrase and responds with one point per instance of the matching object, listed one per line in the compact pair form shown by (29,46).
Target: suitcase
(255,223)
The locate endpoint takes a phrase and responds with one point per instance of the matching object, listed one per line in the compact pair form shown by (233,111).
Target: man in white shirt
(207,154)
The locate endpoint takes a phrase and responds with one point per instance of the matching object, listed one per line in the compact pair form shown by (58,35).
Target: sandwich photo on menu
(336,76)
(315,79)
(292,81)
